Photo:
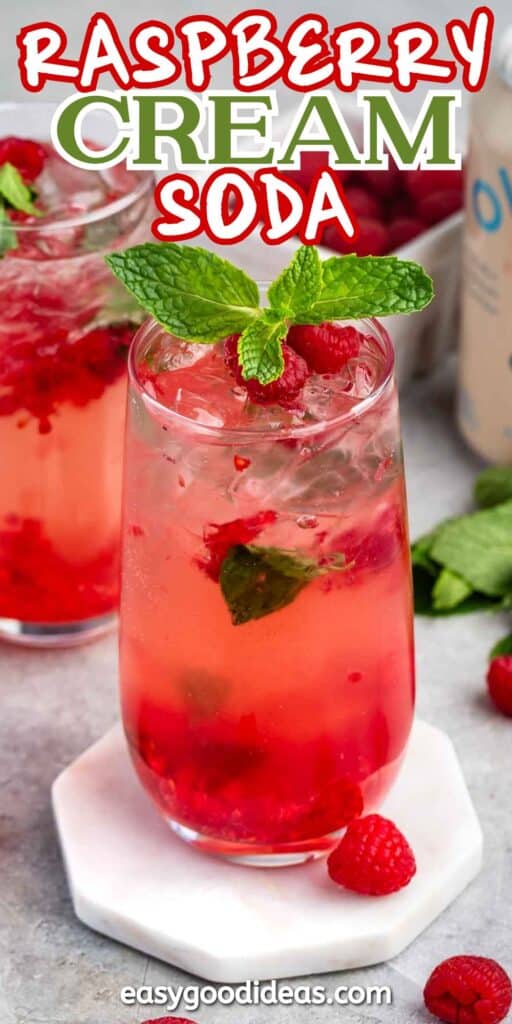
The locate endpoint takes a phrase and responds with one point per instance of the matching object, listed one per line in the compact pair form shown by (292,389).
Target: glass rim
(248,435)
(145,180)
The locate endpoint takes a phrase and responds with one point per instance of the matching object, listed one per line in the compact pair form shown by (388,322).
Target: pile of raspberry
(390,206)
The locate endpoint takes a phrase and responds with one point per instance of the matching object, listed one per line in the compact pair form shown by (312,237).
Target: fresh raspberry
(373,239)
(312,161)
(385,183)
(422,183)
(438,206)
(362,202)
(325,347)
(373,858)
(169,1020)
(284,391)
(403,230)
(220,537)
(499,683)
(468,990)
(28,157)
(401,206)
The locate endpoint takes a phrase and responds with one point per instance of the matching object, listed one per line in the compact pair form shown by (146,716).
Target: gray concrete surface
(54,971)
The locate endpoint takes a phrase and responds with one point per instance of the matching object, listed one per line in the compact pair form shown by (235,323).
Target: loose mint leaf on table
(424,584)
(478,547)
(493,486)
(504,646)
(14,191)
(192,292)
(298,285)
(362,286)
(449,591)
(256,581)
(259,348)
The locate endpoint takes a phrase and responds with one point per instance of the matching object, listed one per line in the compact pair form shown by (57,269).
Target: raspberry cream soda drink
(266,617)
(65,327)
(485,376)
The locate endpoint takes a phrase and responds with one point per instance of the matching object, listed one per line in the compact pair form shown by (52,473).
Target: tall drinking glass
(65,327)
(266,614)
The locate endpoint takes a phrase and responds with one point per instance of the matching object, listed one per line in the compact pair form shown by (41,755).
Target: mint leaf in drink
(256,581)
(493,486)
(299,284)
(504,646)
(193,293)
(14,192)
(479,548)
(8,238)
(449,591)
(363,286)
(260,350)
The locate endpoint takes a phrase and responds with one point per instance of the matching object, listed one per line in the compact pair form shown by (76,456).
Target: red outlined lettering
(102,51)
(412,47)
(180,219)
(355,46)
(471,45)
(151,44)
(40,60)
(204,41)
(253,36)
(309,61)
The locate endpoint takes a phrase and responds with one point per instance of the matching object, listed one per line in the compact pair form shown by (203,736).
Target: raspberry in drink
(65,327)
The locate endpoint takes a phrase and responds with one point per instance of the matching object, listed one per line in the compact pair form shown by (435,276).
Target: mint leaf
(504,646)
(298,285)
(449,591)
(256,581)
(493,486)
(362,286)
(259,348)
(14,191)
(420,553)
(478,547)
(8,238)
(192,292)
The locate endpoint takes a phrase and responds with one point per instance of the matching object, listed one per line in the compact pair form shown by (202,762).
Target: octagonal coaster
(133,880)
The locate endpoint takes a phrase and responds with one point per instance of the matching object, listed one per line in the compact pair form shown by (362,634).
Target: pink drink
(65,327)
(262,739)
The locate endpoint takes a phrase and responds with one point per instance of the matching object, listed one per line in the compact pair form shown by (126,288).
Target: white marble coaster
(133,880)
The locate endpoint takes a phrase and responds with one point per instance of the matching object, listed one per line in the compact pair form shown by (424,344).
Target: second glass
(266,616)
(65,328)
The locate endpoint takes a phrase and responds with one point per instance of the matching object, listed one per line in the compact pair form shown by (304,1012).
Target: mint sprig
(200,297)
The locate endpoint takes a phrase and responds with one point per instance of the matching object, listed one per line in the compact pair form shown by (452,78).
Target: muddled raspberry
(26,156)
(499,683)
(373,858)
(284,391)
(37,584)
(327,347)
(37,375)
(468,990)
(219,538)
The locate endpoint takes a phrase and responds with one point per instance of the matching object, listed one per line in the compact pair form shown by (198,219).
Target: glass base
(56,634)
(282,856)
